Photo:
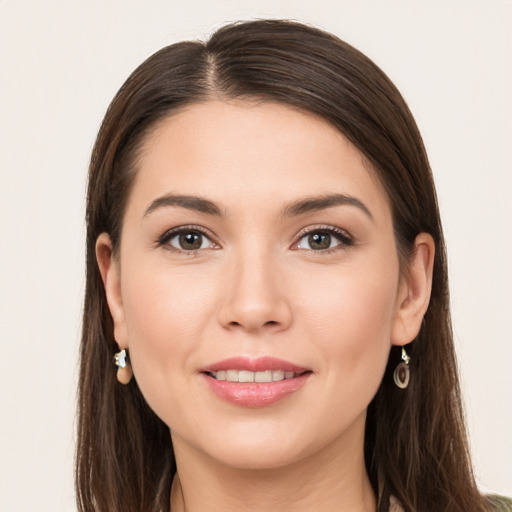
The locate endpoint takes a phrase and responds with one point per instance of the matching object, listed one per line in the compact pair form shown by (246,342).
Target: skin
(257,286)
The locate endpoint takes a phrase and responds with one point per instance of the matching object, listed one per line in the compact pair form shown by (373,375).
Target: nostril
(270,323)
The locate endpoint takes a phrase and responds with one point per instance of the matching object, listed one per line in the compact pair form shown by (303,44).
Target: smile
(254,383)
(249,376)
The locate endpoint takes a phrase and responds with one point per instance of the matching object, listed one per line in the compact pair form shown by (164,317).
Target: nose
(255,297)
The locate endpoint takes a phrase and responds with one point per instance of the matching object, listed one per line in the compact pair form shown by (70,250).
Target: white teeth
(245,376)
(277,375)
(248,376)
(263,376)
(232,375)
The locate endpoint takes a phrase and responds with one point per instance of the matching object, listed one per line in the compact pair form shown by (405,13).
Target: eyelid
(342,235)
(186,228)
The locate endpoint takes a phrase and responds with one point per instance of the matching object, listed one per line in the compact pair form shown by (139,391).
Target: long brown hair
(415,441)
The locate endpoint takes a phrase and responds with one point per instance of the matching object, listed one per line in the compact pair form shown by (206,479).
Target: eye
(186,239)
(323,239)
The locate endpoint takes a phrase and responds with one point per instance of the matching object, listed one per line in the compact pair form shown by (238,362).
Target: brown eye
(189,241)
(324,239)
(319,241)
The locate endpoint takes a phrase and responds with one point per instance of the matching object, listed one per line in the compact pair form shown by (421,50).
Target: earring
(402,371)
(124,369)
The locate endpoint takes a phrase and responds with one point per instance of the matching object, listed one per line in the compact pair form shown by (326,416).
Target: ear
(414,292)
(111,276)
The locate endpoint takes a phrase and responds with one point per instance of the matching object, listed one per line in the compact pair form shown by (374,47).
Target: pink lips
(255,394)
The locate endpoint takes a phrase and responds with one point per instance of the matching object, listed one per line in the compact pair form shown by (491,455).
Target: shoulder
(500,503)
(497,503)
(394,505)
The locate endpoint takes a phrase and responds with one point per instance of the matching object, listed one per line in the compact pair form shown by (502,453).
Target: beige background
(60,64)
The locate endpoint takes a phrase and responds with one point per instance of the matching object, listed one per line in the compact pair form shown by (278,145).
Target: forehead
(243,153)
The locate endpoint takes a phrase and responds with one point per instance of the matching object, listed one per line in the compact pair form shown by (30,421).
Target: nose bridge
(255,298)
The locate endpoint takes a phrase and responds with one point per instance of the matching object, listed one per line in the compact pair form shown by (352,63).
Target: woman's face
(256,244)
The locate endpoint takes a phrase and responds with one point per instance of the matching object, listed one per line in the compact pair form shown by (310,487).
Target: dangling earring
(124,369)
(402,371)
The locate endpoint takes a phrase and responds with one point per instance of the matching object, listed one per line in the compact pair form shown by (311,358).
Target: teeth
(263,376)
(247,376)
(232,375)
(277,375)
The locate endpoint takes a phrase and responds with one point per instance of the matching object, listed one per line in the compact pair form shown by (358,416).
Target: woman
(265,255)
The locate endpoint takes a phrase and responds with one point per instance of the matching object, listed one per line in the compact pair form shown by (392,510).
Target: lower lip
(255,394)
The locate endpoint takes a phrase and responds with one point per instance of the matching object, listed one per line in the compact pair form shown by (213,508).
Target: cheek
(165,317)
(162,304)
(351,321)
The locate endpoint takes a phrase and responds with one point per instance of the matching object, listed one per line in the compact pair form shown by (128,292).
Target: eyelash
(180,230)
(343,237)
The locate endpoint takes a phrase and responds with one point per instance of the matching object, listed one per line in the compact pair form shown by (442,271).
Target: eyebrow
(296,208)
(189,202)
(314,204)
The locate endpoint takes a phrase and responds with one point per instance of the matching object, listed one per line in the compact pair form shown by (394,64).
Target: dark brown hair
(415,441)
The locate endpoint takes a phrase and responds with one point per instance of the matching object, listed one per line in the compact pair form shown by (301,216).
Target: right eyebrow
(317,203)
(183,201)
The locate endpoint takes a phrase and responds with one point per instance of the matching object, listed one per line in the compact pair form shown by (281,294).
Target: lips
(254,382)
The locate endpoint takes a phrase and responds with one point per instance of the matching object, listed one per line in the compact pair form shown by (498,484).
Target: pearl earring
(124,369)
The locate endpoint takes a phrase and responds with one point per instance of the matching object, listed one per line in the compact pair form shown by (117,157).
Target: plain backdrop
(60,64)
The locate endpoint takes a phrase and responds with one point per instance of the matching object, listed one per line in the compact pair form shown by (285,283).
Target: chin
(258,458)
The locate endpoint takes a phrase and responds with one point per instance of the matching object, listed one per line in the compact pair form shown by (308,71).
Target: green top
(498,503)
(501,504)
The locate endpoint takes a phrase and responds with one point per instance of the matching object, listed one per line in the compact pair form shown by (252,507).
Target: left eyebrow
(184,201)
(314,204)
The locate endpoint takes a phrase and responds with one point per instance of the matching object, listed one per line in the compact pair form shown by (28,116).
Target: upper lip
(259,364)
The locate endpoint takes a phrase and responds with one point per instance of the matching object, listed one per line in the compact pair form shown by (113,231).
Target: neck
(333,479)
